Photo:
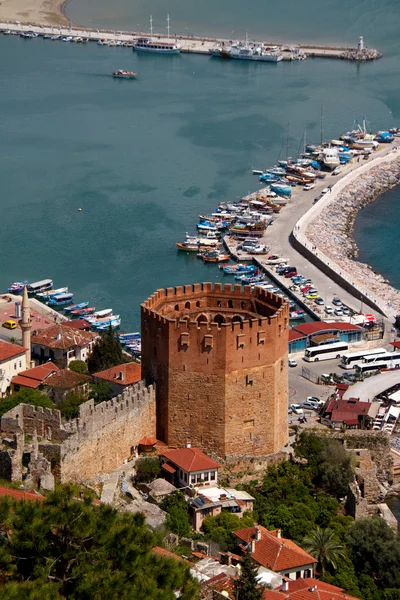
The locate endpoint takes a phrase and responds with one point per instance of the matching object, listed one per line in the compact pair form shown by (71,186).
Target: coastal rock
(331,231)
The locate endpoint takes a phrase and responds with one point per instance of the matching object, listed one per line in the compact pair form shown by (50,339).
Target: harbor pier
(188,44)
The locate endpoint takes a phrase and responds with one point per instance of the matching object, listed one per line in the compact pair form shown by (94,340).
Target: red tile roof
(131,373)
(78,324)
(274,552)
(148,441)
(62,337)
(168,468)
(348,410)
(167,554)
(66,379)
(191,460)
(20,494)
(295,335)
(35,377)
(8,350)
(315,326)
(313,589)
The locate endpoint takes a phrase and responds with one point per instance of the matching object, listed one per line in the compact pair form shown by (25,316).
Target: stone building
(218,355)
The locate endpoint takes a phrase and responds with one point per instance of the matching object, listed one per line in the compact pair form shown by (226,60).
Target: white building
(62,343)
(12,362)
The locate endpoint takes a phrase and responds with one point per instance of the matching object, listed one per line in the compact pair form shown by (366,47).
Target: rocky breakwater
(329,231)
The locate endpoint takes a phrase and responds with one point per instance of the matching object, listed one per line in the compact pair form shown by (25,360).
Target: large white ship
(149,45)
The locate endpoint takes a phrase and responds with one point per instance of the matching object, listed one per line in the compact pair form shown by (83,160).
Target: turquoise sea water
(144,158)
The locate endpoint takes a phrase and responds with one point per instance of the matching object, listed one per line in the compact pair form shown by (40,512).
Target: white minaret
(361,44)
(26,326)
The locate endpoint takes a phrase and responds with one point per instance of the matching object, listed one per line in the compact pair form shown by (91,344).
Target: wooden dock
(189,44)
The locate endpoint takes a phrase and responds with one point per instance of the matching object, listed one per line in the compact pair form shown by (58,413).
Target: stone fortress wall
(219,356)
(98,441)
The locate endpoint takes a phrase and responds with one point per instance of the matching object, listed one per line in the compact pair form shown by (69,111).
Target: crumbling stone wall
(107,433)
(247,468)
(97,442)
(378,444)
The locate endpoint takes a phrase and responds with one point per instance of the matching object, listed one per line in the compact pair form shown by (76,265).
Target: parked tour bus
(325,351)
(348,360)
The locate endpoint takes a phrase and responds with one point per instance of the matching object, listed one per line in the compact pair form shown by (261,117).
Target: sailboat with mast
(158,46)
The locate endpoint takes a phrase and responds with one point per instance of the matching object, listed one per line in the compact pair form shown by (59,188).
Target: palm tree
(322,545)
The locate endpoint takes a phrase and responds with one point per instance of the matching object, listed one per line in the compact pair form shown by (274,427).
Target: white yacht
(160,47)
(330,158)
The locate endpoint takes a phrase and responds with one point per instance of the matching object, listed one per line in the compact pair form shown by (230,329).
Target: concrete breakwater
(325,232)
(189,44)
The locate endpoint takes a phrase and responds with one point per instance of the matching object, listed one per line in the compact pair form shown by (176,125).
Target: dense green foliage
(147,469)
(288,500)
(69,405)
(328,462)
(100,391)
(219,529)
(246,586)
(107,353)
(69,548)
(375,549)
(26,396)
(78,366)
(177,509)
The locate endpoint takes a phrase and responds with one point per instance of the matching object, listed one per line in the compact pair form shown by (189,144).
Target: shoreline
(329,231)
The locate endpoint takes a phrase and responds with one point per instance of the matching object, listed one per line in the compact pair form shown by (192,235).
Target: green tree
(69,406)
(66,547)
(100,391)
(107,353)
(246,586)
(219,529)
(177,508)
(25,396)
(323,545)
(375,551)
(328,462)
(147,469)
(78,366)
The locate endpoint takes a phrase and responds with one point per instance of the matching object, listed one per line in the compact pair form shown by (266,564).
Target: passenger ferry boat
(148,45)
(120,74)
(254,52)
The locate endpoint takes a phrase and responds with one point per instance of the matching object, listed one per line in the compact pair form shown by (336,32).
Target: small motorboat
(82,312)
(51,293)
(214,256)
(239,269)
(296,315)
(76,306)
(17,287)
(120,74)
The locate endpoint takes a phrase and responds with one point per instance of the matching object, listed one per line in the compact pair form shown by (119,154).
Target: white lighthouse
(361,44)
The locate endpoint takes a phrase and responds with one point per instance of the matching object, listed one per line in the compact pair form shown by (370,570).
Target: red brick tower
(218,355)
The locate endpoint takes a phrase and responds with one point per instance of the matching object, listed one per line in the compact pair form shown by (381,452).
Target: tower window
(187,305)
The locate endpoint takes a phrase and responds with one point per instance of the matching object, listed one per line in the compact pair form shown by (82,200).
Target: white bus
(390,360)
(348,360)
(325,351)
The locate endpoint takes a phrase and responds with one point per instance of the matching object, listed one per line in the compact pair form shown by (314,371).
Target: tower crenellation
(218,355)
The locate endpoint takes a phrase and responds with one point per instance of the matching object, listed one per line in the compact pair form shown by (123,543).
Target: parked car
(308,404)
(315,399)
(312,295)
(297,409)
(328,310)
(346,310)
(325,191)
(10,324)
(336,302)
(338,312)
(319,301)
(292,362)
(305,288)
(349,376)
(308,186)
(289,274)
